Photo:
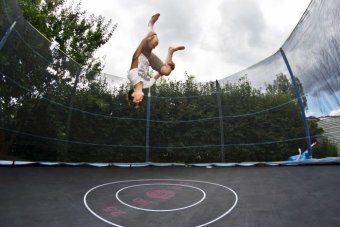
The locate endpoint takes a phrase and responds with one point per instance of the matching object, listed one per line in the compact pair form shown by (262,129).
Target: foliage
(34,70)
(325,148)
(76,34)
(184,127)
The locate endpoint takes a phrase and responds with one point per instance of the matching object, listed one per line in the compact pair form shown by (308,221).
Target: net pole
(5,37)
(299,98)
(65,153)
(220,114)
(147,133)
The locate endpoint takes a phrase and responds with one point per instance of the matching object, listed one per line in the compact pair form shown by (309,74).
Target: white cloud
(335,113)
(221,36)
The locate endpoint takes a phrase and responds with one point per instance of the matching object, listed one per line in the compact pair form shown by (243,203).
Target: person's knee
(166,70)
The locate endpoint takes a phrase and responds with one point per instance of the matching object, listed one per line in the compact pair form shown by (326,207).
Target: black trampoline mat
(170,196)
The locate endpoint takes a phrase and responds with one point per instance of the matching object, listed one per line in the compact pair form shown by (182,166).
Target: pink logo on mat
(114,211)
(160,194)
(141,201)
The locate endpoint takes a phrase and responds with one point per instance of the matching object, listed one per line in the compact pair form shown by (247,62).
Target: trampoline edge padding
(324,161)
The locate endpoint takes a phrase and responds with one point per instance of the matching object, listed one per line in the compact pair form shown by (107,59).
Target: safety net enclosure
(53,109)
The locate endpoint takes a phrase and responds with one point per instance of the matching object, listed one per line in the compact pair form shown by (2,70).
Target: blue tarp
(299,157)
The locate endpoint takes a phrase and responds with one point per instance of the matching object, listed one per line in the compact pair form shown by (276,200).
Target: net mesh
(52,109)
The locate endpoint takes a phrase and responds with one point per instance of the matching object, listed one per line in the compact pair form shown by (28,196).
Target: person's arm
(138,51)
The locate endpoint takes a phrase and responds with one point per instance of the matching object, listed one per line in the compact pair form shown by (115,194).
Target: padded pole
(220,114)
(8,32)
(302,107)
(147,139)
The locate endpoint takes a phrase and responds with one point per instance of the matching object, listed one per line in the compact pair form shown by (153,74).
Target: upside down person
(142,59)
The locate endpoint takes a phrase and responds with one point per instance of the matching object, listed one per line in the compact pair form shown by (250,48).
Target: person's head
(135,97)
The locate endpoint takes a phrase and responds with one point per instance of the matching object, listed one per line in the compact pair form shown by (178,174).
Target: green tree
(76,34)
(23,80)
(54,70)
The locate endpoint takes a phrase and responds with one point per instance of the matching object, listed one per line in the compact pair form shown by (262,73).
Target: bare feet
(174,49)
(152,21)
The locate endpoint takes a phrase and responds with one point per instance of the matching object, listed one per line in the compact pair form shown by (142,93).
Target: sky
(221,37)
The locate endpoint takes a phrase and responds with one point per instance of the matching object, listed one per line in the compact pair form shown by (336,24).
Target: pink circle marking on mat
(160,194)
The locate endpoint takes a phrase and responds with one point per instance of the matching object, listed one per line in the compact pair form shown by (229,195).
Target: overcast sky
(221,37)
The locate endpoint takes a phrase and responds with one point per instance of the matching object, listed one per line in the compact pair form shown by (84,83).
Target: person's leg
(169,65)
(152,22)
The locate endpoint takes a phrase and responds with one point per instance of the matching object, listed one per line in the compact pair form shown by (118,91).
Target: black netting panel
(53,109)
